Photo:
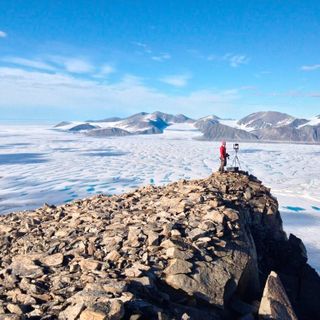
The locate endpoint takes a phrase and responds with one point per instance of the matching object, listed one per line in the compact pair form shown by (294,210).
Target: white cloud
(78,66)
(235,60)
(161,57)
(177,80)
(2,34)
(310,68)
(72,65)
(28,63)
(107,69)
(104,71)
(20,87)
(142,45)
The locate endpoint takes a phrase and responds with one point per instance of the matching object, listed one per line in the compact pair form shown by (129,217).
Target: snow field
(39,165)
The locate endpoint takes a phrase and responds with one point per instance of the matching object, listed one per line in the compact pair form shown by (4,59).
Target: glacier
(39,165)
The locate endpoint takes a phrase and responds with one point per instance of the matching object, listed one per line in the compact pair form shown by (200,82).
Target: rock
(113,256)
(248,194)
(90,265)
(215,216)
(24,266)
(153,238)
(231,214)
(167,244)
(175,233)
(183,282)
(10,317)
(114,310)
(198,249)
(133,234)
(14,308)
(275,303)
(174,252)
(5,229)
(136,270)
(72,312)
(196,233)
(53,260)
(90,314)
(133,272)
(177,266)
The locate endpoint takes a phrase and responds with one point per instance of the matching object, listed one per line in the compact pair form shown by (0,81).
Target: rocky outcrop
(199,249)
(275,303)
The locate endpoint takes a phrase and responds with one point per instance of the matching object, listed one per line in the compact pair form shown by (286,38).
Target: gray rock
(177,266)
(275,303)
(24,266)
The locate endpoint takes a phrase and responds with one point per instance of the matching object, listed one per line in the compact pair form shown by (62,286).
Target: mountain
(112,119)
(82,127)
(169,118)
(273,126)
(213,130)
(307,134)
(204,122)
(209,249)
(265,119)
(269,126)
(108,132)
(145,121)
(62,124)
(140,123)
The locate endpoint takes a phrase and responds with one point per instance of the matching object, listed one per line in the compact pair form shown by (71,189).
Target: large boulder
(275,303)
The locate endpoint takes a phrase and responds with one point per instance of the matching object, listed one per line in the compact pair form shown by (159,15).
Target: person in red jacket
(223,156)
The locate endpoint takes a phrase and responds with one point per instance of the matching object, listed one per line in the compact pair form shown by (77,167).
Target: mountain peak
(266,119)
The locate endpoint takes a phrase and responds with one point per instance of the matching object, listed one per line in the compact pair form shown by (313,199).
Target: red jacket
(223,152)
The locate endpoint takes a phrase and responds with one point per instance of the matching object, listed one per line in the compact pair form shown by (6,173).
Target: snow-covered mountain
(265,119)
(213,128)
(140,123)
(315,121)
(260,126)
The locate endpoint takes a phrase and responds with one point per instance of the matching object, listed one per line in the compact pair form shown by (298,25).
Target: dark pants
(222,164)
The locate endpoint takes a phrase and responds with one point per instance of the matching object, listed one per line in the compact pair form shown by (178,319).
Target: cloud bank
(19,87)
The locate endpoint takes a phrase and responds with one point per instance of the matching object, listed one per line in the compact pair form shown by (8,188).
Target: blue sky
(94,59)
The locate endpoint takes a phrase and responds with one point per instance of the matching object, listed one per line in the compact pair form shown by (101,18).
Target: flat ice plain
(38,165)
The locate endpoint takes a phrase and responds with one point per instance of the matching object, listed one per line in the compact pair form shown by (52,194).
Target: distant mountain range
(266,126)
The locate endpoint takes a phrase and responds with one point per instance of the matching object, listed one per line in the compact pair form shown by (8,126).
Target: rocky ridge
(201,249)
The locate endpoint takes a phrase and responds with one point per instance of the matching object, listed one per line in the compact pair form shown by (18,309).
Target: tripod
(236,161)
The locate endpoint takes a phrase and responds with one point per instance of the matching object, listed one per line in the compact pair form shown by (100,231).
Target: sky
(77,60)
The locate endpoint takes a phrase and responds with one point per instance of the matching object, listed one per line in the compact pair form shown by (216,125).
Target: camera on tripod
(236,162)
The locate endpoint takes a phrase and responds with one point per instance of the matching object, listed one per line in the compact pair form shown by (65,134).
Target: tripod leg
(238,161)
